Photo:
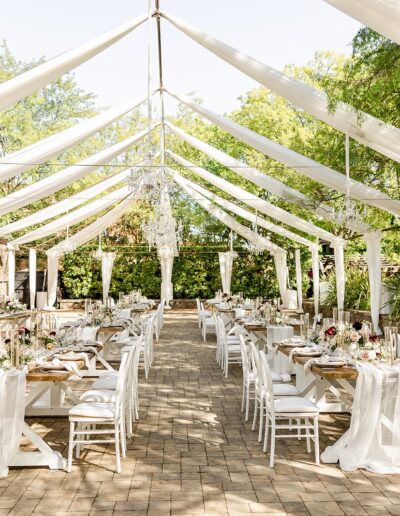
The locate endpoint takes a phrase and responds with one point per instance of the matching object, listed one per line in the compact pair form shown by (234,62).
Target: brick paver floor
(193,454)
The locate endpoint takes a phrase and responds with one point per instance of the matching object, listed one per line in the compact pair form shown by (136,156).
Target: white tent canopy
(48,185)
(43,150)
(305,166)
(28,82)
(361,126)
(381,15)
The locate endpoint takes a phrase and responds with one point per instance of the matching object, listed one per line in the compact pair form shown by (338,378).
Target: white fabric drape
(166,255)
(11,273)
(225,269)
(12,412)
(59,180)
(96,227)
(303,165)
(255,176)
(28,82)
(74,217)
(107,262)
(282,275)
(299,280)
(373,240)
(261,205)
(315,272)
(381,15)
(361,126)
(53,258)
(67,204)
(245,214)
(373,441)
(32,278)
(43,150)
(338,250)
(226,219)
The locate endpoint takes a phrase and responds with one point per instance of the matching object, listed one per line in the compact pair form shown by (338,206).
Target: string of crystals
(67,246)
(256,247)
(350,213)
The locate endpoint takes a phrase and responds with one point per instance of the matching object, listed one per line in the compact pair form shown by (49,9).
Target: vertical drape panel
(373,240)
(225,268)
(299,282)
(166,256)
(12,412)
(11,273)
(315,271)
(340,275)
(32,277)
(281,269)
(53,258)
(107,262)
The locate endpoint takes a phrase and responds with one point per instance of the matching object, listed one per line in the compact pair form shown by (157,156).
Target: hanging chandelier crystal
(351,213)
(256,248)
(98,254)
(67,246)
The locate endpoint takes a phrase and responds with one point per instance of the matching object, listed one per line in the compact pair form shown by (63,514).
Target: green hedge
(194,274)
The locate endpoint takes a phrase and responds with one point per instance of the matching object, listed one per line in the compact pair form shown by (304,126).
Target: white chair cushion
(108,374)
(295,404)
(285,389)
(99,395)
(96,410)
(109,384)
(276,377)
(234,347)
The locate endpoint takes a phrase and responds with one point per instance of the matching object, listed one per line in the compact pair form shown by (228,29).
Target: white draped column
(373,240)
(338,250)
(107,262)
(53,258)
(32,277)
(315,272)
(11,273)
(299,282)
(166,255)
(225,269)
(280,259)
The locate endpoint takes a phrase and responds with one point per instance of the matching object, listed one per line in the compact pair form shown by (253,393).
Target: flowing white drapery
(252,174)
(225,269)
(67,204)
(74,217)
(53,258)
(59,180)
(107,262)
(12,412)
(32,278)
(315,272)
(299,281)
(260,204)
(372,442)
(361,126)
(237,210)
(166,254)
(381,15)
(303,165)
(226,219)
(28,82)
(96,227)
(373,240)
(43,150)
(11,273)
(282,275)
(338,250)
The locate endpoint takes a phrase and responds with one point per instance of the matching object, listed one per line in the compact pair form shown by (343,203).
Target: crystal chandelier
(256,247)
(350,214)
(67,246)
(98,254)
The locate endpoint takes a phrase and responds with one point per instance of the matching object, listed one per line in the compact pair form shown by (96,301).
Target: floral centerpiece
(12,306)
(16,350)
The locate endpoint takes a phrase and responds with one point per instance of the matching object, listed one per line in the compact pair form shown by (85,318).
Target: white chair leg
(316,440)
(117,447)
(308,435)
(266,432)
(70,446)
(298,430)
(261,419)
(255,413)
(272,453)
(247,403)
(243,397)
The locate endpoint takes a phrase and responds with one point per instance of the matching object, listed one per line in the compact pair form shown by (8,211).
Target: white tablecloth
(280,363)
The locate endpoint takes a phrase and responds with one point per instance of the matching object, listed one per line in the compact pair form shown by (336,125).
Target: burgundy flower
(52,334)
(331,332)
(7,341)
(357,326)
(21,331)
(373,338)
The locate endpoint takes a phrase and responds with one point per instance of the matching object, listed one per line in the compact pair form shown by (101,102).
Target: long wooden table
(46,395)
(320,380)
